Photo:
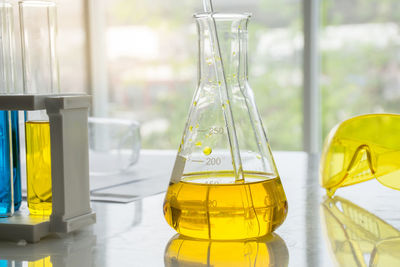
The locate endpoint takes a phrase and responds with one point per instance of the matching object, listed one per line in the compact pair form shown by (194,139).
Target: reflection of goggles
(360,149)
(354,234)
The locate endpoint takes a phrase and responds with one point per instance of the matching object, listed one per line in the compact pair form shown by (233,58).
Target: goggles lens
(360,149)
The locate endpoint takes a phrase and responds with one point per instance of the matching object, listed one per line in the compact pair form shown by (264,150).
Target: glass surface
(10,190)
(71,47)
(151,62)
(38,21)
(7,47)
(114,146)
(224,157)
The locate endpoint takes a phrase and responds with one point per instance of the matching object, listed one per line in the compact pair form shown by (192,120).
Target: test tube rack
(68,117)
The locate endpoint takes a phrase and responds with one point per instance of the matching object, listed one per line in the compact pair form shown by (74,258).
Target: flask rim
(223,16)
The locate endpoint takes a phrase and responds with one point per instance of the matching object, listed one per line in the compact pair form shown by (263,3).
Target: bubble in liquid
(207,150)
(198,143)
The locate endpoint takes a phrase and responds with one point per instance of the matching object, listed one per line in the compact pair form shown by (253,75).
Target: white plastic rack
(68,116)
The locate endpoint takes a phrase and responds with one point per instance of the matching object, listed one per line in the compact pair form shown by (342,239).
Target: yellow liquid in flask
(210,205)
(38,167)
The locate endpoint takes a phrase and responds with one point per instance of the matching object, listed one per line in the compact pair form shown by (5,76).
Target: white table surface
(136,234)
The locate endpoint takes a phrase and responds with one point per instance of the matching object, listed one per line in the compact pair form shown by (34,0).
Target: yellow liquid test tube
(38,21)
(38,167)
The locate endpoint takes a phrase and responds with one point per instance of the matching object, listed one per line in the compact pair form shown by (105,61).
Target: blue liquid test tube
(10,171)
(6,173)
(16,163)
(10,174)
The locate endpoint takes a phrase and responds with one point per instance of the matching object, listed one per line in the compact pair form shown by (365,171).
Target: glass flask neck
(232,37)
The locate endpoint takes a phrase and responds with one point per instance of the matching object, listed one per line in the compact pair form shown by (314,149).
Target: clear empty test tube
(38,21)
(10,178)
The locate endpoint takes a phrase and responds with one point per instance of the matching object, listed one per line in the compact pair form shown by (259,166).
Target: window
(360,59)
(71,46)
(150,59)
(151,51)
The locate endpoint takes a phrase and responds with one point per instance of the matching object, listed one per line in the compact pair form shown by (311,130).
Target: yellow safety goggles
(360,149)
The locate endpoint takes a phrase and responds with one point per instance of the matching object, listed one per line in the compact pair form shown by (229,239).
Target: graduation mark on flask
(213,161)
(212,130)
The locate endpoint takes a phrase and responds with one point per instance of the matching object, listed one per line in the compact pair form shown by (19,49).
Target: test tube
(10,175)
(38,21)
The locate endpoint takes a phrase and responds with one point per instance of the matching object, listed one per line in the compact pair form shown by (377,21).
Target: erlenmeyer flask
(224,184)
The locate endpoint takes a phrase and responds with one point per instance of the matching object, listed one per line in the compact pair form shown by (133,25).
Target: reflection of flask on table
(10,180)
(224,184)
(267,251)
(38,35)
